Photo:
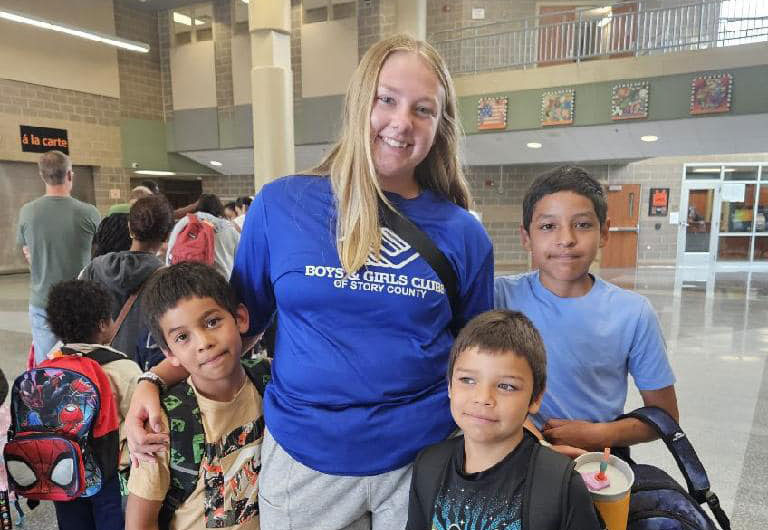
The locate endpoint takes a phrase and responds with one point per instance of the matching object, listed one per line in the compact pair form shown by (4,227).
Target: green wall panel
(144,143)
(669,99)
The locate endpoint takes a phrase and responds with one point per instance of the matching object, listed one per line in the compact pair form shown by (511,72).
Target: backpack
(195,242)
(657,500)
(63,439)
(187,436)
(545,497)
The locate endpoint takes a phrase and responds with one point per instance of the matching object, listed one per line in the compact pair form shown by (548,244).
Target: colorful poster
(711,94)
(630,101)
(557,107)
(658,202)
(491,113)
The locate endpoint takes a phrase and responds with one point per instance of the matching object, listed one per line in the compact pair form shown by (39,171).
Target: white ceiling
(597,144)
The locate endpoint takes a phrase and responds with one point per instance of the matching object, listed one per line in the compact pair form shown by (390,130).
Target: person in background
(226,237)
(241,207)
(55,233)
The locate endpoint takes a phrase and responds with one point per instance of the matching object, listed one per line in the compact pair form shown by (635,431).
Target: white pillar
(269,22)
(412,18)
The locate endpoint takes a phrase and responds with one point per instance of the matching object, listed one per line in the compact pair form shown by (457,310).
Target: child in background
(497,470)
(196,320)
(80,312)
(595,333)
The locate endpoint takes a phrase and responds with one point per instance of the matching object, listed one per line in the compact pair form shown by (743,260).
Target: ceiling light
(181,18)
(215,163)
(707,170)
(95,36)
(533,145)
(649,138)
(605,21)
(154,173)
(245,1)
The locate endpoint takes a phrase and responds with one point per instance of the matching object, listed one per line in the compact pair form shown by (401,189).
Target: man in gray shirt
(55,233)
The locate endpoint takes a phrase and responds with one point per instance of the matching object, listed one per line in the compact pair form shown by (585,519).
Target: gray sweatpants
(295,497)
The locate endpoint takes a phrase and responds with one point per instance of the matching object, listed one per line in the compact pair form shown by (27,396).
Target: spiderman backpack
(63,440)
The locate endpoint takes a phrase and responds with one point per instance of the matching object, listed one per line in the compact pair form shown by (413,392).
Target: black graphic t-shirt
(491,499)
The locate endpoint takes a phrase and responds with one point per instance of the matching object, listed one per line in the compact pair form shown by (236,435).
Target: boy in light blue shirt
(596,334)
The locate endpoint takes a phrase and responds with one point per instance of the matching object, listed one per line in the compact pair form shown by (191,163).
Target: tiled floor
(717,336)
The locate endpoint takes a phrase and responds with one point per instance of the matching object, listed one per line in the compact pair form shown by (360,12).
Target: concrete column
(269,22)
(412,18)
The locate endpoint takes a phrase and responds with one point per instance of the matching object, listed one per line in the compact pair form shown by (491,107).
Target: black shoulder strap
(104,356)
(431,473)
(422,243)
(685,455)
(186,449)
(259,371)
(546,489)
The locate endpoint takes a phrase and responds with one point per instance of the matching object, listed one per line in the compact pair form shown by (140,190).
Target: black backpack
(547,481)
(657,500)
(188,445)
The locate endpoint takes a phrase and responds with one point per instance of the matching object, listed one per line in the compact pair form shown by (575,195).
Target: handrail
(619,30)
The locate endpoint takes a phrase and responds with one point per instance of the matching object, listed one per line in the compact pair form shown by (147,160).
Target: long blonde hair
(350,162)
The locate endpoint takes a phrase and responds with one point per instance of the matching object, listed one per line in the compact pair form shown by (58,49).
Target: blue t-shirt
(359,383)
(593,342)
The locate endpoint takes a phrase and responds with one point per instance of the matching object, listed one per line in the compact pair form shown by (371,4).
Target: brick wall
(228,186)
(375,20)
(222,50)
(141,93)
(164,46)
(296,15)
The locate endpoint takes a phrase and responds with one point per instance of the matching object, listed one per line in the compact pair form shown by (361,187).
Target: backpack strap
(427,248)
(432,463)
(123,313)
(104,355)
(187,446)
(545,500)
(685,455)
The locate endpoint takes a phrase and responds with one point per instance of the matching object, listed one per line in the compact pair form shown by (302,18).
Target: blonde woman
(365,326)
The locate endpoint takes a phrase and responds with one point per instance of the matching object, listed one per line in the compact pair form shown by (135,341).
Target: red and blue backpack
(63,442)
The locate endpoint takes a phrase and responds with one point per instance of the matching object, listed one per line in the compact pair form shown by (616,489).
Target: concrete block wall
(228,186)
(141,94)
(92,123)
(375,21)
(222,51)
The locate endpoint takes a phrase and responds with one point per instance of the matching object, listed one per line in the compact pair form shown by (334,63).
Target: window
(192,24)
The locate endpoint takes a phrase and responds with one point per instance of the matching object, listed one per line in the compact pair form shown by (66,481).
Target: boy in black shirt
(497,475)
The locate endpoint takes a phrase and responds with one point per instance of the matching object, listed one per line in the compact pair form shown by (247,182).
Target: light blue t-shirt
(359,383)
(593,342)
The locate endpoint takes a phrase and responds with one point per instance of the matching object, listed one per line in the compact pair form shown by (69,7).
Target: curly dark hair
(76,309)
(151,219)
(210,203)
(166,287)
(243,201)
(112,235)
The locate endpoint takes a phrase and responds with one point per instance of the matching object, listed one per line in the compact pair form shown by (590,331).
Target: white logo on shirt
(396,253)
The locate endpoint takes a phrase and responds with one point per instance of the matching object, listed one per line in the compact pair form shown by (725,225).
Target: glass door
(699,224)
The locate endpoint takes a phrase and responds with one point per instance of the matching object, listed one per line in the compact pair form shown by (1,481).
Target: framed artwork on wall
(658,202)
(630,101)
(711,94)
(557,107)
(491,113)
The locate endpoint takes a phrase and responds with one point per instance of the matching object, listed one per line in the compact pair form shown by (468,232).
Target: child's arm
(145,407)
(622,433)
(141,514)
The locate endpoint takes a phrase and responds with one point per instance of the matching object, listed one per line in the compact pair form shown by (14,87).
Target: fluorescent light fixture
(245,1)
(215,163)
(707,170)
(604,22)
(649,138)
(95,36)
(154,173)
(533,145)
